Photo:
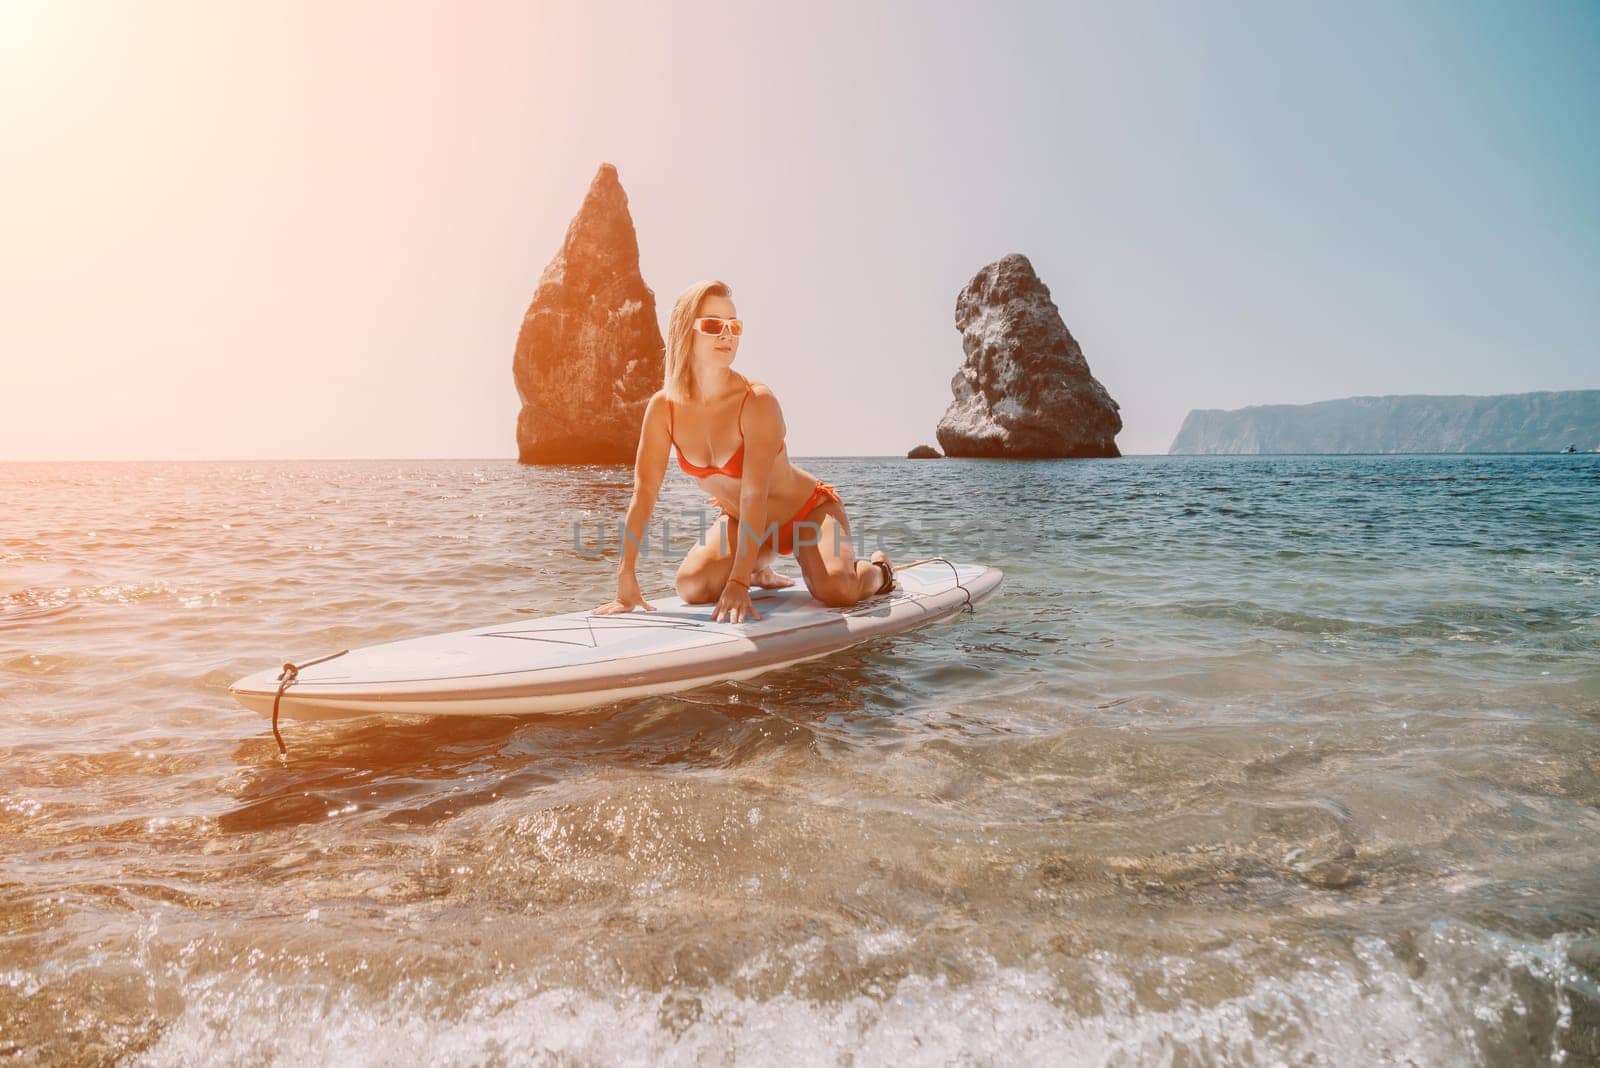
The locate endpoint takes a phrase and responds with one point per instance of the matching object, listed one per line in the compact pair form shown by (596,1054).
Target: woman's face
(716,350)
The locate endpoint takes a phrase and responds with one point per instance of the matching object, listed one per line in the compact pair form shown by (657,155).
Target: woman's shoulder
(658,406)
(764,409)
(762,398)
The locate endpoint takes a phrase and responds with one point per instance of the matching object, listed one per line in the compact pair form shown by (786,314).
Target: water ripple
(1253,759)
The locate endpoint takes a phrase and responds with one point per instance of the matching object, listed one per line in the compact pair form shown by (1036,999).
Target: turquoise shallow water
(1251,760)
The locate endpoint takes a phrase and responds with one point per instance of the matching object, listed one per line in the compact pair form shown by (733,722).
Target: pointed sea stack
(1024,390)
(590,351)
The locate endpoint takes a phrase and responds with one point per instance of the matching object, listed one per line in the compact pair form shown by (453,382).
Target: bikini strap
(749,387)
(670,439)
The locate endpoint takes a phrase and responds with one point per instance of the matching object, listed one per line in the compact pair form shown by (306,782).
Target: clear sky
(285,229)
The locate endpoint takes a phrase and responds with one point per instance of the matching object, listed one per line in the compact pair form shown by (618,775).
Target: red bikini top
(734,468)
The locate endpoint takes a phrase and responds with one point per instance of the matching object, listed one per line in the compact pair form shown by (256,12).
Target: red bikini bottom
(823,491)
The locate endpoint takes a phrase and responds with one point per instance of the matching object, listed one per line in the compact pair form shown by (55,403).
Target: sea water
(1250,760)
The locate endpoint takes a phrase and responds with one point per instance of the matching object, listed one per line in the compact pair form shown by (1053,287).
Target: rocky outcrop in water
(1511,422)
(923,452)
(1024,389)
(590,351)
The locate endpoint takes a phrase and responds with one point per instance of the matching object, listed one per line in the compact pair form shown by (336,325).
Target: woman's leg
(705,569)
(832,573)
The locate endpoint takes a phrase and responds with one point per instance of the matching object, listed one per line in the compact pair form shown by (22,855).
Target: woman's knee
(697,591)
(697,580)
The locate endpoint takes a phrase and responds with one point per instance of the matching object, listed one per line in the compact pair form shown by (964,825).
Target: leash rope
(286,678)
(968,607)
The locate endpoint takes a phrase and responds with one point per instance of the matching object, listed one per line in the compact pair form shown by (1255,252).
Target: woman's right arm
(649,468)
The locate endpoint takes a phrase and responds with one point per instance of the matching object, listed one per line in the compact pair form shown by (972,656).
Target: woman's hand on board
(628,598)
(734,605)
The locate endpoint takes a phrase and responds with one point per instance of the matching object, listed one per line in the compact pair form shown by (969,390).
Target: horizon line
(816,456)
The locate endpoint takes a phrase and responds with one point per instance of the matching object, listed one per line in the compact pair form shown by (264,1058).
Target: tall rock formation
(590,351)
(1508,422)
(1024,389)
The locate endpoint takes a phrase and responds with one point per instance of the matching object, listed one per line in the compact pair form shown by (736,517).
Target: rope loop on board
(969,606)
(286,678)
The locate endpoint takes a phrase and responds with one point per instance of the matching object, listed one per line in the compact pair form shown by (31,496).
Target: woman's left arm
(764,431)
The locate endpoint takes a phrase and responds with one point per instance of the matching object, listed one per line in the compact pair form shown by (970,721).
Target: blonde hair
(678,379)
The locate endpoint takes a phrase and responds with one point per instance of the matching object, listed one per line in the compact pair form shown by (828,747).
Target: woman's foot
(767,579)
(880,560)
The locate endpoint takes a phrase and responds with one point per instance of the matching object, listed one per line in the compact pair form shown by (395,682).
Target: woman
(719,412)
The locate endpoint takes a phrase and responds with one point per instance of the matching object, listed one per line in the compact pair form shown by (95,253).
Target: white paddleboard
(579,660)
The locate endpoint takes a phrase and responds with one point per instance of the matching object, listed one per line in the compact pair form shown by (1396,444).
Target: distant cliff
(1510,422)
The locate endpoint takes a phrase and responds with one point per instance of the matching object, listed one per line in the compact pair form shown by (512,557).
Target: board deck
(578,660)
